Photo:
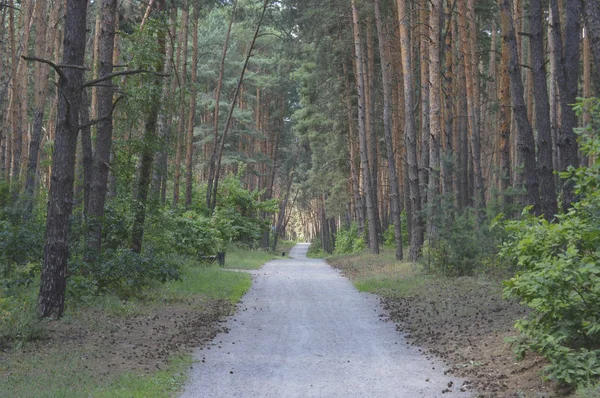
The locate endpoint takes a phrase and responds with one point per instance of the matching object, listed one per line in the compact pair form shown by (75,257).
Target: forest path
(303,330)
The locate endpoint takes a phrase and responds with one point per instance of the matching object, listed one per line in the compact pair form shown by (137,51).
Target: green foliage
(19,322)
(348,241)
(559,276)
(460,246)
(121,272)
(389,240)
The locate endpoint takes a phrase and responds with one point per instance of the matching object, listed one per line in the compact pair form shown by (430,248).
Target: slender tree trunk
(470,61)
(542,112)
(147,156)
(416,237)
(435,115)
(51,298)
(351,139)
(504,119)
(386,70)
(424,99)
(362,134)
(213,157)
(192,111)
(525,140)
(232,107)
(182,88)
(99,182)
(448,169)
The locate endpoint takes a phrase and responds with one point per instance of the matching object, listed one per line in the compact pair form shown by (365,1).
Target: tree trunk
(435,116)
(504,119)
(99,182)
(424,99)
(386,70)
(542,112)
(182,87)
(51,298)
(525,140)
(192,111)
(147,156)
(213,157)
(362,134)
(416,236)
(592,25)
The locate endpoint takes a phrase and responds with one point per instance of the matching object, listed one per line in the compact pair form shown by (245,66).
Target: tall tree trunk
(504,119)
(100,168)
(192,111)
(424,99)
(592,25)
(386,70)
(435,115)
(215,186)
(51,298)
(471,70)
(147,156)
(358,199)
(525,140)
(448,169)
(213,157)
(362,134)
(542,112)
(416,237)
(182,88)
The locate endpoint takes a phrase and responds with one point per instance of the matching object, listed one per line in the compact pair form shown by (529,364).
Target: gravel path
(303,330)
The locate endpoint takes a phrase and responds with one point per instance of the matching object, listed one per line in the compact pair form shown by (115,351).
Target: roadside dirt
(465,322)
(114,345)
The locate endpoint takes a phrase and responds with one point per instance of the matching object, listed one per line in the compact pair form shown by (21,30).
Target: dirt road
(304,331)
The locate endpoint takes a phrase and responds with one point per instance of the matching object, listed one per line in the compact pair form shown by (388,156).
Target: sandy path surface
(303,330)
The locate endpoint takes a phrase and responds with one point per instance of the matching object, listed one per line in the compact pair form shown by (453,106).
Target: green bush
(389,240)
(19,321)
(348,241)
(122,272)
(559,277)
(460,247)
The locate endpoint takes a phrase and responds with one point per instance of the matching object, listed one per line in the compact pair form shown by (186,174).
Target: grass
(39,371)
(381,274)
(237,258)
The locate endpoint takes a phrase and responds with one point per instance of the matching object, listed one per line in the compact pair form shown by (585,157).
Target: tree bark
(592,25)
(416,236)
(101,161)
(51,297)
(362,134)
(192,111)
(182,88)
(386,70)
(542,112)
(525,140)
(504,119)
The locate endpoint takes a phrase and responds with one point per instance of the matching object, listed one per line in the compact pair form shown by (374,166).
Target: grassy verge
(237,258)
(138,348)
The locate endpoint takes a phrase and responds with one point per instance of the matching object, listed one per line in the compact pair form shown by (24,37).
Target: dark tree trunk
(362,134)
(416,236)
(542,112)
(592,25)
(51,298)
(525,140)
(568,82)
(504,118)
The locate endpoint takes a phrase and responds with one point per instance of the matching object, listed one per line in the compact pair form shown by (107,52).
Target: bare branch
(45,61)
(122,73)
(103,118)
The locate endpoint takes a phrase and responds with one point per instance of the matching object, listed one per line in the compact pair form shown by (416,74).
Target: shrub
(348,241)
(459,247)
(122,272)
(559,277)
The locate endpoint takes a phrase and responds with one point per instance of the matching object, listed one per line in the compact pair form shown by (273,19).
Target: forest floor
(465,321)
